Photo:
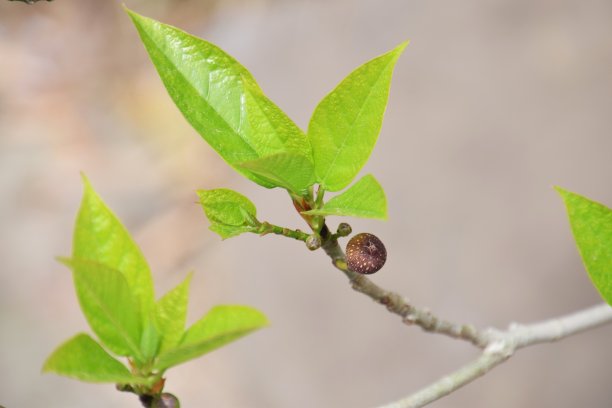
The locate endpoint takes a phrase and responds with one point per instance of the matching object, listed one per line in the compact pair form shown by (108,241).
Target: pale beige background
(492,104)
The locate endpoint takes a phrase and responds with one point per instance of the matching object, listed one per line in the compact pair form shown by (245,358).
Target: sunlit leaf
(365,198)
(100,237)
(290,171)
(83,358)
(345,125)
(230,213)
(591,224)
(107,303)
(222,325)
(219,97)
(172,313)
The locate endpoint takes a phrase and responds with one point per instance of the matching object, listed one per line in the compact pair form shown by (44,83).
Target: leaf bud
(344,230)
(313,242)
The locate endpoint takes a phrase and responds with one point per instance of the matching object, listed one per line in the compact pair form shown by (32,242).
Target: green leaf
(229,231)
(229,212)
(290,171)
(150,340)
(107,303)
(222,325)
(346,123)
(172,314)
(591,224)
(83,358)
(217,96)
(272,130)
(99,236)
(365,198)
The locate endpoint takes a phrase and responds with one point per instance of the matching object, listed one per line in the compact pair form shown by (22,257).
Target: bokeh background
(492,104)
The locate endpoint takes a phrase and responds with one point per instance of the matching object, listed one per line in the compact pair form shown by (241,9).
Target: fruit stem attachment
(332,249)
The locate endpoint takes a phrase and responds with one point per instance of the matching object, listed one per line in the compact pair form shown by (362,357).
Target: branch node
(410,319)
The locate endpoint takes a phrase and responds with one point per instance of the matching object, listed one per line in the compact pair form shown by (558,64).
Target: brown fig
(365,253)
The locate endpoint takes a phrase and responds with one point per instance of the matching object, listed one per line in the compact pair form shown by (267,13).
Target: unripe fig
(365,253)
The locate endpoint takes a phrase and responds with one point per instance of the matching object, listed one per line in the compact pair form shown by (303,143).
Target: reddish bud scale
(365,254)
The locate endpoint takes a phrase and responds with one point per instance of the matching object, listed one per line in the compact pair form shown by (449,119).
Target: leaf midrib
(189,83)
(121,330)
(182,348)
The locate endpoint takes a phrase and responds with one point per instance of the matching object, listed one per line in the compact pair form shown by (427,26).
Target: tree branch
(498,346)
(502,345)
(267,228)
(395,303)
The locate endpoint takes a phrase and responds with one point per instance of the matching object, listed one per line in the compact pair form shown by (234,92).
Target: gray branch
(497,345)
(502,345)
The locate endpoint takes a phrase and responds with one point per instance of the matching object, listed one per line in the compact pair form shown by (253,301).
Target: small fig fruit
(365,253)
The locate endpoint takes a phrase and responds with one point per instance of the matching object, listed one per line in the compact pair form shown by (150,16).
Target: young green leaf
(365,198)
(108,305)
(591,224)
(271,129)
(346,123)
(229,212)
(217,95)
(150,339)
(99,236)
(172,314)
(83,358)
(222,325)
(229,231)
(290,171)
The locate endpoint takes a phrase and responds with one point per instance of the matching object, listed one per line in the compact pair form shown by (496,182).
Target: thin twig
(498,346)
(502,345)
(267,228)
(397,304)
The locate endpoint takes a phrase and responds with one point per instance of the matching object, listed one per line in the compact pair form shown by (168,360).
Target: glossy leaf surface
(365,199)
(219,97)
(172,313)
(591,224)
(345,125)
(223,324)
(290,171)
(230,213)
(83,358)
(108,305)
(100,237)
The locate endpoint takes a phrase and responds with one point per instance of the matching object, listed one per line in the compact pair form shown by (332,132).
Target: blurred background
(492,104)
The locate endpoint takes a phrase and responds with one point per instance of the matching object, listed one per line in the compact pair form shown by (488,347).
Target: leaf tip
(129,12)
(400,48)
(201,194)
(84,178)
(64,260)
(87,186)
(565,194)
(45,367)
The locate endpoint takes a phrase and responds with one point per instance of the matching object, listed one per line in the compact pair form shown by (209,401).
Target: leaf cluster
(222,101)
(225,105)
(115,291)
